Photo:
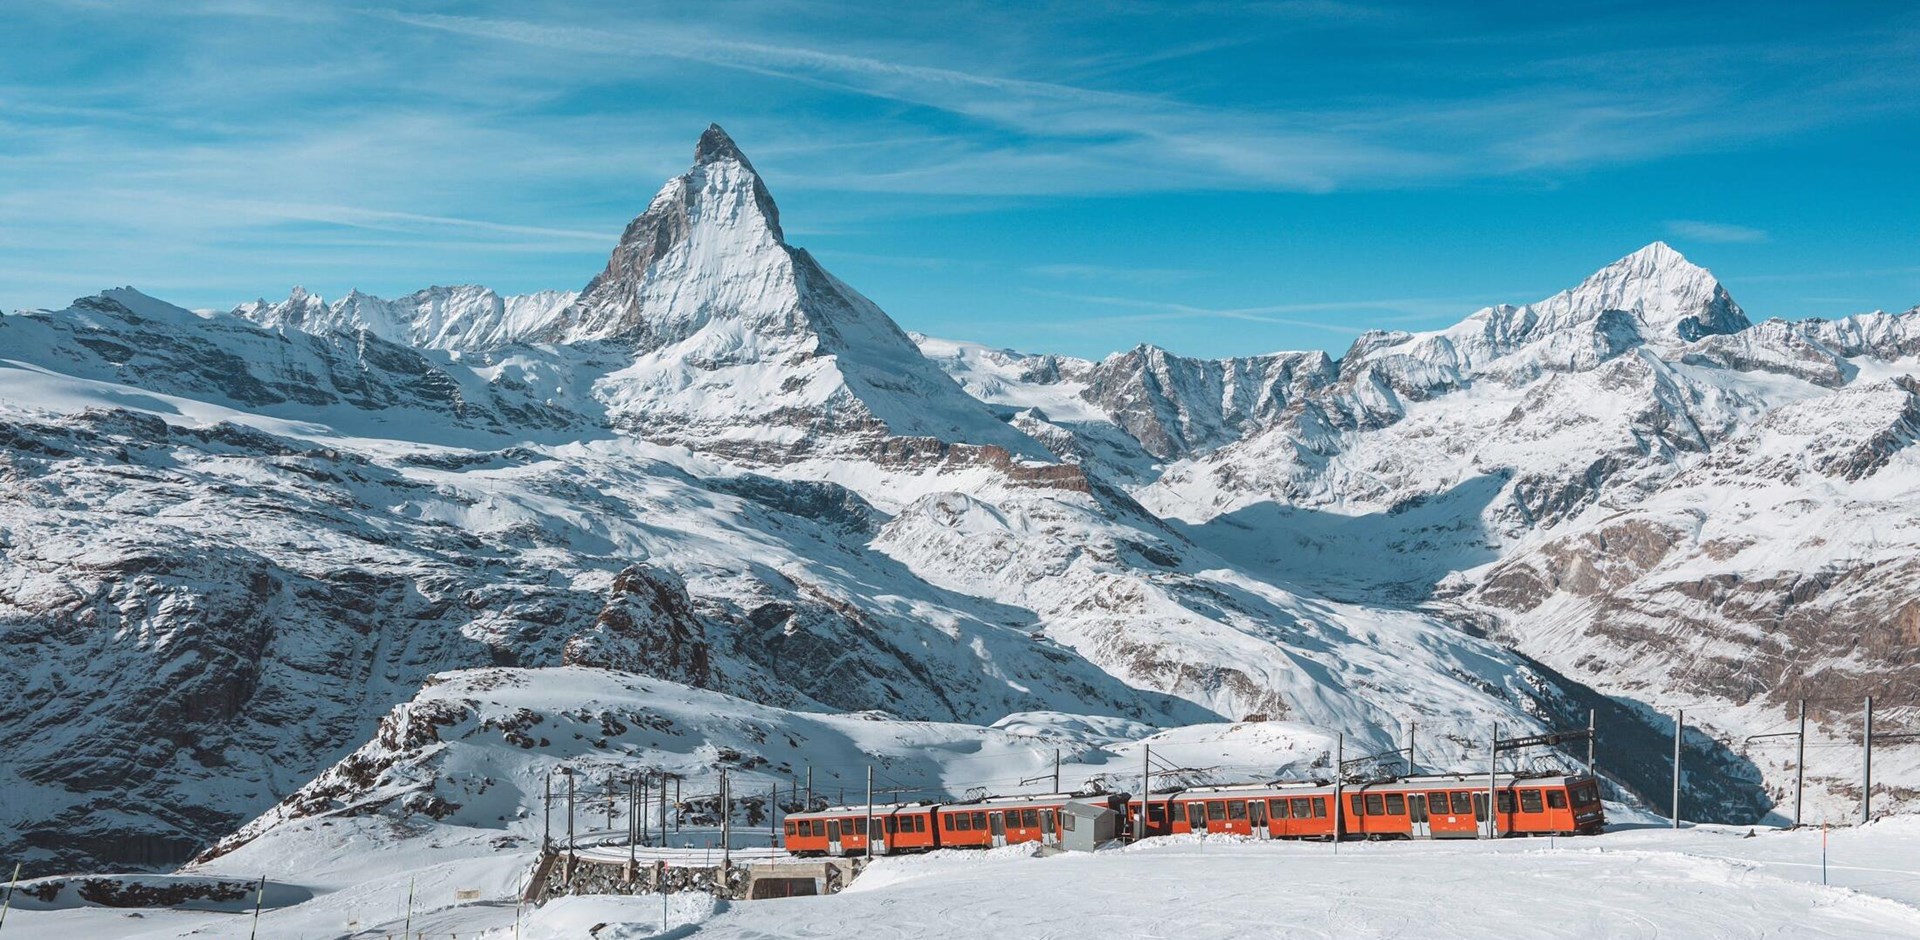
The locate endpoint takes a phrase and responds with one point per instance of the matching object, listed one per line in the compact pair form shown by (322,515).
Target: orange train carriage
(918,827)
(1450,806)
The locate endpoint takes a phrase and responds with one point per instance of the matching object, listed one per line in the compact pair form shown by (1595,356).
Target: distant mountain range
(236,549)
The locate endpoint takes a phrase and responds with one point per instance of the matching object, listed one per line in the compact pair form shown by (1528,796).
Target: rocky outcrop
(648,626)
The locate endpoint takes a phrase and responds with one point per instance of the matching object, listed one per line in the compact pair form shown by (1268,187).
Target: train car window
(1556,799)
(1319,807)
(1196,815)
(1530,802)
(1417,807)
(1480,806)
(1030,819)
(1506,801)
(1437,803)
(1277,808)
(1375,805)
(1066,822)
(892,825)
(1236,809)
(1396,804)
(1156,813)
(1356,802)
(1586,794)
(1461,803)
(1216,810)
(980,821)
(1300,810)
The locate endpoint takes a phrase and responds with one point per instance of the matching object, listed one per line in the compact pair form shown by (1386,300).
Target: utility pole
(408,929)
(1411,728)
(809,788)
(1592,730)
(569,819)
(1800,767)
(1866,768)
(1339,815)
(1679,725)
(676,806)
(258,899)
(773,816)
(634,822)
(663,812)
(1146,789)
(610,792)
(1493,793)
(1056,770)
(546,838)
(867,825)
(726,822)
(8,904)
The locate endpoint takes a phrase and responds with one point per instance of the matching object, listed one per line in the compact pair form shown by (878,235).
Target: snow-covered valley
(324,592)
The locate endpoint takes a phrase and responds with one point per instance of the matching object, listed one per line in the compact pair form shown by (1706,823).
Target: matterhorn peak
(743,342)
(716,146)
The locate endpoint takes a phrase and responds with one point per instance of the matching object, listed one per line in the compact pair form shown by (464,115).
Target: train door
(997,826)
(1048,834)
(1257,819)
(1450,815)
(833,838)
(878,835)
(1417,816)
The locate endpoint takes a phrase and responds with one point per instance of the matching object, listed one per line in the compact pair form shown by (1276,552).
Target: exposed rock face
(649,626)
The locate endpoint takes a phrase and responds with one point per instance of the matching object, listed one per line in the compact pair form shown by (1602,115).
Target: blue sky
(1216,178)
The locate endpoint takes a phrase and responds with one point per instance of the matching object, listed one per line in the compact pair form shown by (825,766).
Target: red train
(1446,806)
(920,827)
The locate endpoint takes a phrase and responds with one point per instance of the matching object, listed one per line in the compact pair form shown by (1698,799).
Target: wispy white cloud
(1715,232)
(1115,273)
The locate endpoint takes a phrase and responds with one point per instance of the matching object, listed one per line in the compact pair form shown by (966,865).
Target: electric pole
(1493,772)
(1339,816)
(1679,724)
(1146,788)
(868,824)
(1866,767)
(1592,731)
(1056,770)
(726,822)
(1800,767)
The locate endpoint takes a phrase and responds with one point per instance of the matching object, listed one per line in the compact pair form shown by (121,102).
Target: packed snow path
(1193,890)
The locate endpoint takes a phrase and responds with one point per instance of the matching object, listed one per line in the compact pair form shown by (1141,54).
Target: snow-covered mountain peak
(1674,297)
(745,345)
(462,317)
(715,146)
